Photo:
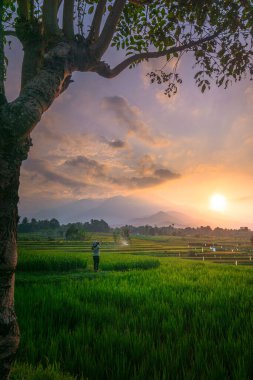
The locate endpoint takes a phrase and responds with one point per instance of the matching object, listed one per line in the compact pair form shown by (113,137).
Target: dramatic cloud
(85,166)
(147,174)
(40,168)
(130,117)
(92,143)
(115,143)
(78,173)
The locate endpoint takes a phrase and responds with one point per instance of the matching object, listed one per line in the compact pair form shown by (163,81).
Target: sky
(123,136)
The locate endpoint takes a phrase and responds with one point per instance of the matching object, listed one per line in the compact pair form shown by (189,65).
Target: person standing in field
(96,253)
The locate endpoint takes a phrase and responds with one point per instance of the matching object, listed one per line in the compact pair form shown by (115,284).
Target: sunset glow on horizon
(104,138)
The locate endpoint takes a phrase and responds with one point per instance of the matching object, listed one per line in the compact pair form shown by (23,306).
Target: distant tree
(116,235)
(24,226)
(251,240)
(57,44)
(125,233)
(74,233)
(38,225)
(54,224)
(97,226)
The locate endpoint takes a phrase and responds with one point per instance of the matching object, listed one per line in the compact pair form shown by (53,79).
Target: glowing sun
(218,202)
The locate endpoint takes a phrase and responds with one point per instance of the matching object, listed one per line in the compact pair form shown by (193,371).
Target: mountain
(115,211)
(118,211)
(66,213)
(163,218)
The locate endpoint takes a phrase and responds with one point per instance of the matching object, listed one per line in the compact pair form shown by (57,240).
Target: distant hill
(163,218)
(120,210)
(115,211)
(67,213)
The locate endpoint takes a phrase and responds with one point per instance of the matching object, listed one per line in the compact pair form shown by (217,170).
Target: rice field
(156,310)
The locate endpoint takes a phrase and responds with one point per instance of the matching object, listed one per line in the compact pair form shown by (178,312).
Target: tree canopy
(219,33)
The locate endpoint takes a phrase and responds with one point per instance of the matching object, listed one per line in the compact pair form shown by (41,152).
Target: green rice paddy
(156,310)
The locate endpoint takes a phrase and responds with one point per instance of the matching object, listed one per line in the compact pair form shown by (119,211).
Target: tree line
(71,231)
(201,231)
(78,231)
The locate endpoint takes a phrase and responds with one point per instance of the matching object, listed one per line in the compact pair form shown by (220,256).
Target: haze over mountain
(116,211)
(162,218)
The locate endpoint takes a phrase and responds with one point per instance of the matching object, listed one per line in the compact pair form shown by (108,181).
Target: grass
(50,261)
(27,372)
(178,319)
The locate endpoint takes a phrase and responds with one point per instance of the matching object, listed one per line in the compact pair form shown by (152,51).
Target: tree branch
(96,22)
(100,47)
(31,10)
(10,33)
(68,18)
(32,61)
(104,70)
(68,80)
(23,114)
(49,17)
(23,9)
(141,2)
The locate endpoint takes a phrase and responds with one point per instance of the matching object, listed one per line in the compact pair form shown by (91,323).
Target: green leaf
(91,9)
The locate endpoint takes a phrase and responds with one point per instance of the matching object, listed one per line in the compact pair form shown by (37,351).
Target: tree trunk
(12,153)
(17,119)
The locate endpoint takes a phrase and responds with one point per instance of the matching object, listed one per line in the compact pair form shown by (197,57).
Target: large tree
(60,37)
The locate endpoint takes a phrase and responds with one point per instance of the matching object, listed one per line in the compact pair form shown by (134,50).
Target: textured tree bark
(11,156)
(17,119)
(31,62)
